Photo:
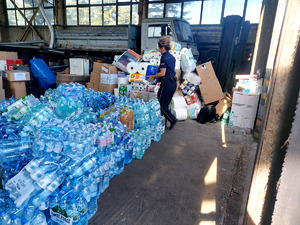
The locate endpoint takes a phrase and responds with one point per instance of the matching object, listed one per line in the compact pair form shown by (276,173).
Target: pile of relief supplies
(59,153)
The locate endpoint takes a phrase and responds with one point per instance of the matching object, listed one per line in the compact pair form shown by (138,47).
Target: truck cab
(178,29)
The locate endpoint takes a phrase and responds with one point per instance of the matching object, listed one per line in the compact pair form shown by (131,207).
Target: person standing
(168,79)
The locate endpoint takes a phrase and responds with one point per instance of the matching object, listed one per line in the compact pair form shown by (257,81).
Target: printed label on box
(20,76)
(104,69)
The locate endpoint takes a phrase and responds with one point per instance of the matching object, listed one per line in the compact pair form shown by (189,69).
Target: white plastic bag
(188,63)
(192,78)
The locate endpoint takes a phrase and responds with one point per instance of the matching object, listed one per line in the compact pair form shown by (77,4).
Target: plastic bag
(187,63)
(43,74)
(192,78)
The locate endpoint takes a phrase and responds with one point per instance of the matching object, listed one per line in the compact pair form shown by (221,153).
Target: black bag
(207,114)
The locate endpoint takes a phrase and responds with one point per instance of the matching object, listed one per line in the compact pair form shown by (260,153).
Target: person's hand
(150,79)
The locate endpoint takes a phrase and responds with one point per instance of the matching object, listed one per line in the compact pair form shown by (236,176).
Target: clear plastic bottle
(83,208)
(231,120)
(14,220)
(73,211)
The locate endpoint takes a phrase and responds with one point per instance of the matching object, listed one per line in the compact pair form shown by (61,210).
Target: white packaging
(239,97)
(116,92)
(181,113)
(247,123)
(132,67)
(237,121)
(79,66)
(192,78)
(252,100)
(238,109)
(142,68)
(122,80)
(249,112)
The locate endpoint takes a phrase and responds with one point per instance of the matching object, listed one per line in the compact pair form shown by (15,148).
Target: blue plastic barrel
(42,73)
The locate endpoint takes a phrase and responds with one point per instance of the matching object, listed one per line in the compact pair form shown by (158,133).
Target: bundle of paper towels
(135,67)
(178,107)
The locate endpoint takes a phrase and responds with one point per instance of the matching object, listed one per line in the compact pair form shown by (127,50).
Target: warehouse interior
(197,174)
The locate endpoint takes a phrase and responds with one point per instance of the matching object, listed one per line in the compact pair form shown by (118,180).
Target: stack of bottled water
(18,109)
(70,144)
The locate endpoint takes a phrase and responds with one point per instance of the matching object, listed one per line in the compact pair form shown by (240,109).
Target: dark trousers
(165,95)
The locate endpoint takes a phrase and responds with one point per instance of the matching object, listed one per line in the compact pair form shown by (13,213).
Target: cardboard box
(106,87)
(9,55)
(16,75)
(2,94)
(104,68)
(223,105)
(14,88)
(211,91)
(239,97)
(252,100)
(79,66)
(237,121)
(68,78)
(247,123)
(109,78)
(249,112)
(238,109)
(95,78)
(90,85)
(178,75)
(6,64)
(206,72)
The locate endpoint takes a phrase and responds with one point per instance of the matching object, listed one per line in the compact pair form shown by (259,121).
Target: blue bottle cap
(13,216)
(24,221)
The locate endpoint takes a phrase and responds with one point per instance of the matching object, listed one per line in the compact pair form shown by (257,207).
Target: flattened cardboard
(206,72)
(223,105)
(211,91)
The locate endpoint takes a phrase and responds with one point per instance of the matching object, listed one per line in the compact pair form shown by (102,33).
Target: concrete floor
(190,177)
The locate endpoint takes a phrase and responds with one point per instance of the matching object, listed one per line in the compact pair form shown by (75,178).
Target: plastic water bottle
(53,205)
(93,201)
(14,220)
(38,218)
(231,119)
(83,208)
(73,211)
(24,221)
(86,193)
(28,212)
(224,119)
(43,196)
(4,217)
(106,175)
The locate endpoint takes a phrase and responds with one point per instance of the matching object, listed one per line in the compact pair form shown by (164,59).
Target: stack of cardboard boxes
(104,77)
(8,60)
(14,83)
(244,106)
(13,80)
(78,72)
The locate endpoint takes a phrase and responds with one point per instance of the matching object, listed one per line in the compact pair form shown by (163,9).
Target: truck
(115,40)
